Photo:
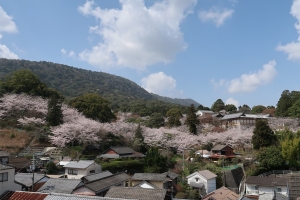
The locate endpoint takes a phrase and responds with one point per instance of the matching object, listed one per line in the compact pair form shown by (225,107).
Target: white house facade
(204,180)
(7,179)
(78,169)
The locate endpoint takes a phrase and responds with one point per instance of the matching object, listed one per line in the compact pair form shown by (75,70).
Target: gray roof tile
(149,177)
(97,176)
(2,167)
(266,181)
(3,154)
(207,174)
(122,150)
(81,164)
(26,178)
(107,182)
(136,193)
(56,196)
(60,185)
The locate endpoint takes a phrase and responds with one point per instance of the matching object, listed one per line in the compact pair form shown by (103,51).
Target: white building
(78,169)
(204,180)
(7,179)
(256,186)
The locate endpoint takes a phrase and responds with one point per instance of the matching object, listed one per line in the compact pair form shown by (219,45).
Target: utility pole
(33,167)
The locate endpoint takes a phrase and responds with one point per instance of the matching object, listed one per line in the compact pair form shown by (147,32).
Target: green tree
(218,105)
(263,136)
(291,151)
(283,104)
(192,120)
(93,106)
(294,110)
(55,115)
(230,108)
(51,168)
(174,115)
(270,158)
(201,107)
(258,109)
(138,142)
(156,120)
(154,162)
(245,109)
(24,81)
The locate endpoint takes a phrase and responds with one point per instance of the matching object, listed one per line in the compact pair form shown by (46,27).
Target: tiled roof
(222,193)
(107,182)
(207,174)
(97,176)
(19,162)
(232,116)
(136,193)
(2,167)
(122,150)
(21,195)
(81,164)
(171,175)
(3,153)
(26,178)
(60,185)
(218,147)
(266,181)
(55,196)
(148,177)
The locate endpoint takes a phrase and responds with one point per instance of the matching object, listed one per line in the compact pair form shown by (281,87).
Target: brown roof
(207,174)
(9,195)
(219,147)
(220,194)
(20,162)
(266,181)
(136,193)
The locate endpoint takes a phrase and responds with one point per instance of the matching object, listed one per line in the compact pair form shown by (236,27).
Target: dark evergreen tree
(156,120)
(284,104)
(93,106)
(154,162)
(192,120)
(258,109)
(218,105)
(138,142)
(263,136)
(55,115)
(174,116)
(244,109)
(270,158)
(230,108)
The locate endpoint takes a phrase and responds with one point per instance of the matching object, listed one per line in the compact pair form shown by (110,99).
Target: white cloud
(0,36)
(161,84)
(251,81)
(63,51)
(72,54)
(293,48)
(232,101)
(6,53)
(137,36)
(217,15)
(6,23)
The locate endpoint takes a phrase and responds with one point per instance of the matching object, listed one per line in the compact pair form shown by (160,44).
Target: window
(278,189)
(72,171)
(197,179)
(3,177)
(256,187)
(92,171)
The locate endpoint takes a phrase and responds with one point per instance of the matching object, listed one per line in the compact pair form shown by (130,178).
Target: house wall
(211,185)
(83,172)
(10,183)
(250,190)
(158,184)
(201,180)
(229,151)
(84,191)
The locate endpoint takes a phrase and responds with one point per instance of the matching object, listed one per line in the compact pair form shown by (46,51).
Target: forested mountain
(73,82)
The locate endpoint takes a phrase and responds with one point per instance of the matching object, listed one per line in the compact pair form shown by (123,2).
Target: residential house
(101,186)
(204,181)
(146,185)
(256,185)
(7,179)
(205,116)
(120,152)
(222,193)
(4,156)
(20,164)
(26,180)
(60,185)
(78,169)
(239,119)
(203,153)
(93,177)
(22,195)
(163,181)
(222,151)
(136,193)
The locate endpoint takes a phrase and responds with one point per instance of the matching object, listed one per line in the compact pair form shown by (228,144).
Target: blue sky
(243,52)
